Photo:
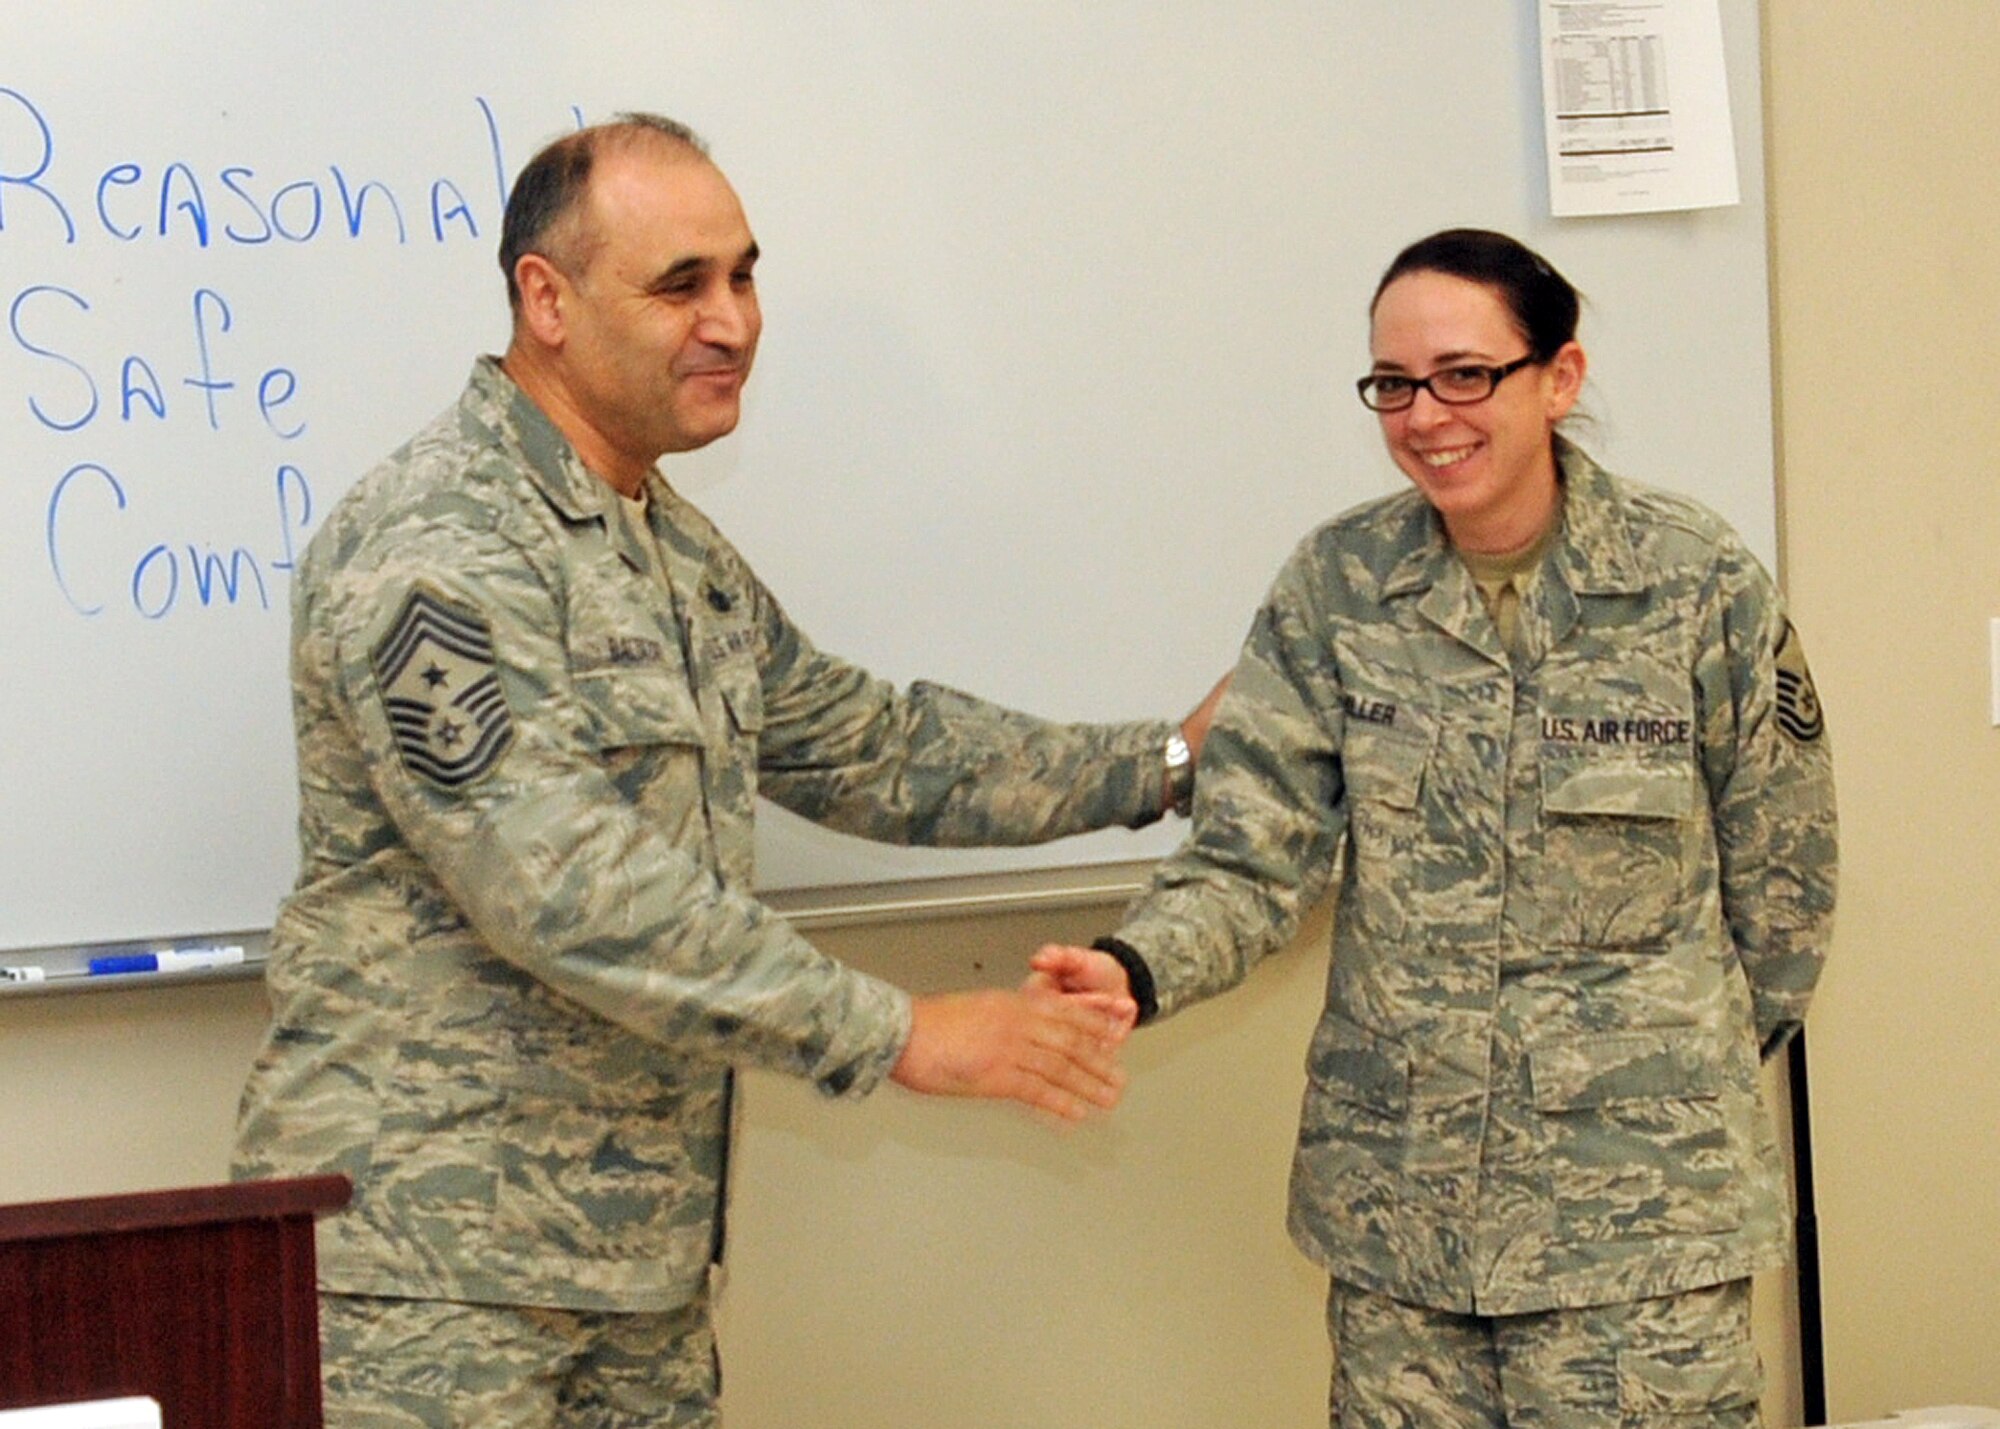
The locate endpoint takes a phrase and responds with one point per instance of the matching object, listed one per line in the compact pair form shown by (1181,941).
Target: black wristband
(1136,973)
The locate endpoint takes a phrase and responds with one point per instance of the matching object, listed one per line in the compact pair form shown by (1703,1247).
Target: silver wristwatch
(1180,775)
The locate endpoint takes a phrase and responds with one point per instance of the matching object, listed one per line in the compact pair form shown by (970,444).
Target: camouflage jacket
(1579,892)
(523,948)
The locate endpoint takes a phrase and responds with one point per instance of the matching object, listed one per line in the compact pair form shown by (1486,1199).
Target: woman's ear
(1566,370)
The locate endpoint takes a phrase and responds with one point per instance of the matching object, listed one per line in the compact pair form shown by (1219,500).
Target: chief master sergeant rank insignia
(435,671)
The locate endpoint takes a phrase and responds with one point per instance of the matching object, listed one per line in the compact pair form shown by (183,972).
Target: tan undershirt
(635,511)
(1502,579)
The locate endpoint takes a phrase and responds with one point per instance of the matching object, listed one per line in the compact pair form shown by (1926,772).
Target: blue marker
(167,960)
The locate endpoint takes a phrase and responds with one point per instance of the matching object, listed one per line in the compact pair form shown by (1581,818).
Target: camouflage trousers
(430,1364)
(1682,1360)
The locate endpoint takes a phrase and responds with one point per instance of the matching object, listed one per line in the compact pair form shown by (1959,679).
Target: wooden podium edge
(171,1209)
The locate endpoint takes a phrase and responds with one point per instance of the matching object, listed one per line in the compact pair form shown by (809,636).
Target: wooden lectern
(202,1298)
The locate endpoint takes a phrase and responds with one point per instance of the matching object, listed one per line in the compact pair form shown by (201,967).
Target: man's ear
(544,292)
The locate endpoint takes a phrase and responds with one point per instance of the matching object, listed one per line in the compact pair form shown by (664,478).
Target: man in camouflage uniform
(536,694)
(1584,885)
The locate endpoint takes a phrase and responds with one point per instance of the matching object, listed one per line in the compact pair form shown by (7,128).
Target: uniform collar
(1430,570)
(1593,553)
(1427,557)
(495,407)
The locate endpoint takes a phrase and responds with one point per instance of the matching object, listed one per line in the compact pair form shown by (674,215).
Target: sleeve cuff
(851,1070)
(1137,974)
(1148,754)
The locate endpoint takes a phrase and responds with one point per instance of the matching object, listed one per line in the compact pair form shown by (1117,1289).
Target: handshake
(1052,1043)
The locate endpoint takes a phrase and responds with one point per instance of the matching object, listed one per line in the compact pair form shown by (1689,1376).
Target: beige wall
(1882,123)
(904,1262)
(893,1261)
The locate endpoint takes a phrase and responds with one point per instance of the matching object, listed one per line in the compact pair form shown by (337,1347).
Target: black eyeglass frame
(1495,376)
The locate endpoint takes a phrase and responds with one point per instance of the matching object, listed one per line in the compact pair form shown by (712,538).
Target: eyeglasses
(1458,386)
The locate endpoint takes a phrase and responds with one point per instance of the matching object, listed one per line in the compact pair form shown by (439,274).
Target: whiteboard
(1062,302)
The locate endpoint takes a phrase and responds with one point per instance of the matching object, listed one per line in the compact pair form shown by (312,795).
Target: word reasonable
(224,204)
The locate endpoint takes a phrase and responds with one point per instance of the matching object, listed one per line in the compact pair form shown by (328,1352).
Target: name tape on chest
(1368,711)
(633,650)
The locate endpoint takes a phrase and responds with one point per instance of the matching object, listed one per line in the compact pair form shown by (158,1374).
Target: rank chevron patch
(1799,712)
(440,687)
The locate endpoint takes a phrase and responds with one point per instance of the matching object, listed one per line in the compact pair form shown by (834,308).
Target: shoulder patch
(441,689)
(1799,712)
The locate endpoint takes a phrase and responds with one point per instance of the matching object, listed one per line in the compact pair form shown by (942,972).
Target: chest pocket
(635,707)
(1617,786)
(742,691)
(1618,827)
(625,653)
(1385,768)
(725,642)
(647,733)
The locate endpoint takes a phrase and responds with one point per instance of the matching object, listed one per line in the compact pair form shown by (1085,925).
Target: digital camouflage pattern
(436,1364)
(1670,1362)
(523,948)
(1579,893)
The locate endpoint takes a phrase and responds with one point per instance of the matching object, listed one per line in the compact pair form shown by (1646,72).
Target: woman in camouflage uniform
(1560,728)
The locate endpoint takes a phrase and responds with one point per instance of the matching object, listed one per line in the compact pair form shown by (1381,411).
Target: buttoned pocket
(606,1151)
(1611,1068)
(1355,1121)
(1616,832)
(1386,764)
(1356,1067)
(1616,786)
(1386,769)
(637,707)
(599,1179)
(743,693)
(1698,1385)
(1636,1133)
(647,733)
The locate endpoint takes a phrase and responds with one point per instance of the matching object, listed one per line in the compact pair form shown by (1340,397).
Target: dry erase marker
(23,975)
(167,960)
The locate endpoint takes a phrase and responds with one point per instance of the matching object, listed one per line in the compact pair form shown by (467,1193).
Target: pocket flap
(1353,1065)
(1727,1378)
(1618,786)
(744,695)
(639,706)
(1386,764)
(1646,1064)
